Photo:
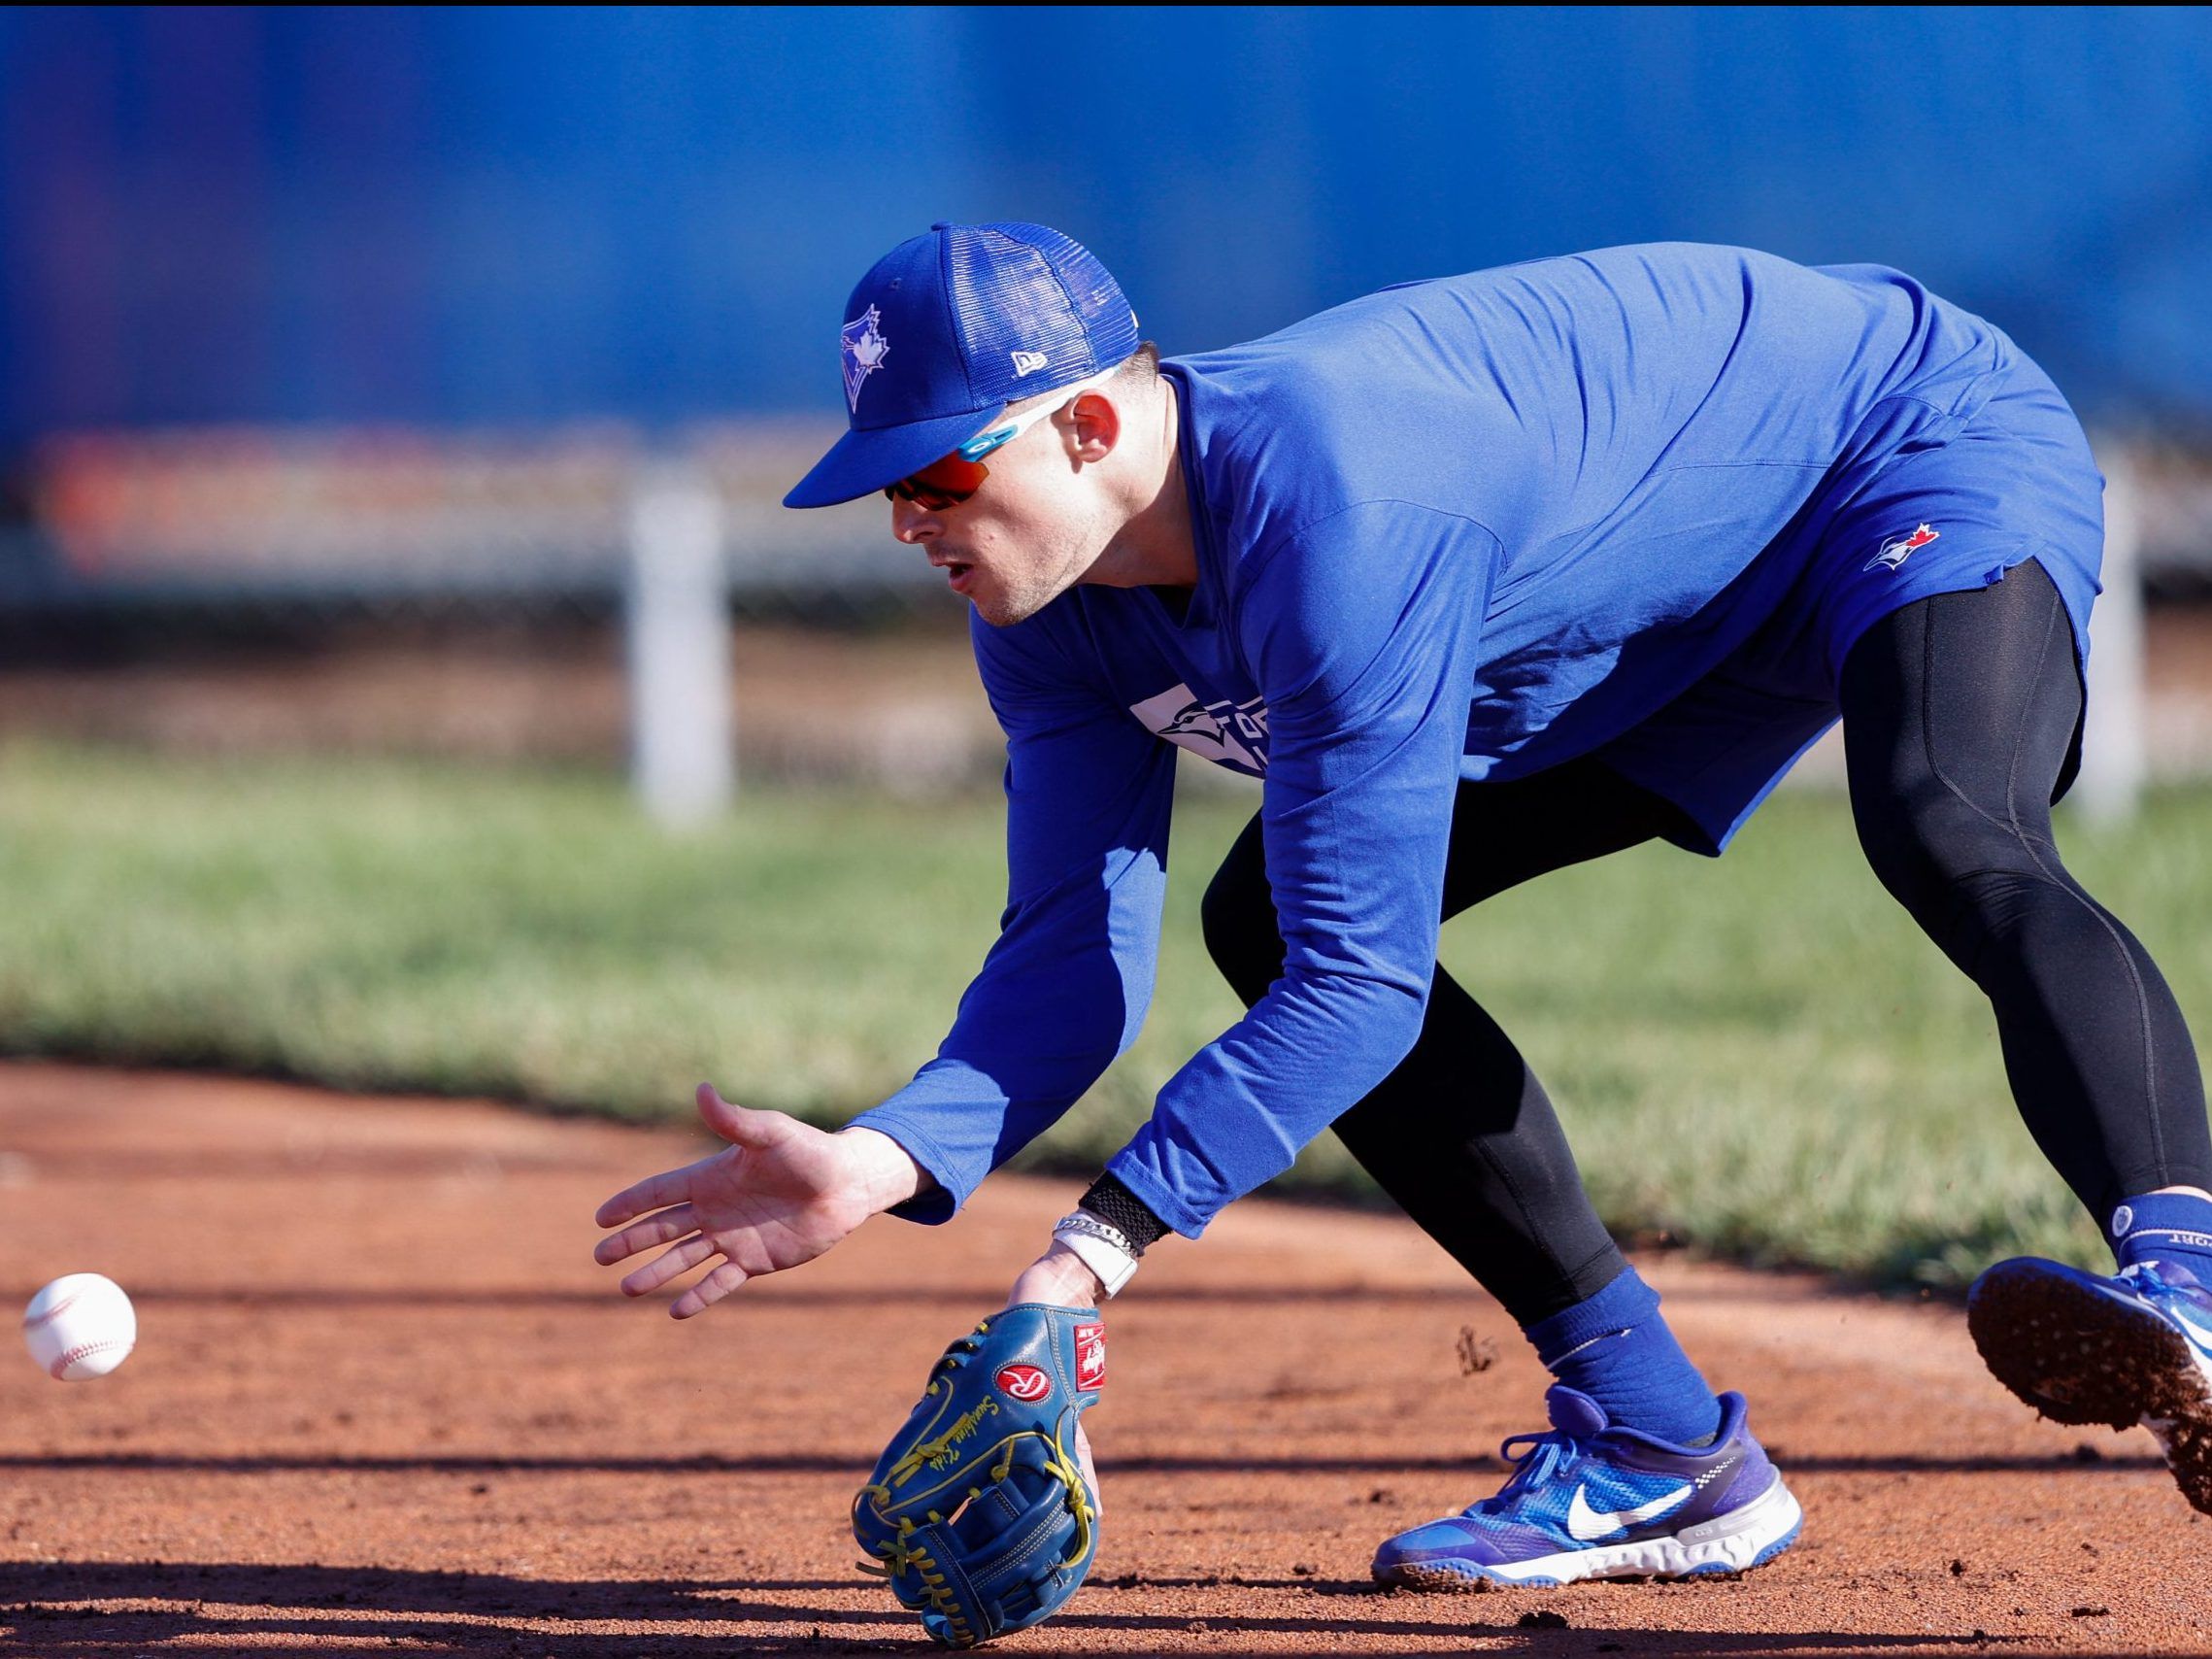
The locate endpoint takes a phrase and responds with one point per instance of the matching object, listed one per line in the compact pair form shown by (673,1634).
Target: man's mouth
(957,573)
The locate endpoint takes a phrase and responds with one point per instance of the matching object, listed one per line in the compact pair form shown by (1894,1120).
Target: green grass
(1759,1055)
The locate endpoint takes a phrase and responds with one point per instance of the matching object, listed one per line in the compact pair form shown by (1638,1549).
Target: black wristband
(1115,1205)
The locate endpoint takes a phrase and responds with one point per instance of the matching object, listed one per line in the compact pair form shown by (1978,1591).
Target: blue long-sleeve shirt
(1463,529)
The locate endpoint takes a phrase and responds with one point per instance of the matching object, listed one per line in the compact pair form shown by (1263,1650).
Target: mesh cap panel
(1035,310)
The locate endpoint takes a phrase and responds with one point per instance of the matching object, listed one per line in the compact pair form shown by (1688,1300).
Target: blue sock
(2165,1227)
(1616,1348)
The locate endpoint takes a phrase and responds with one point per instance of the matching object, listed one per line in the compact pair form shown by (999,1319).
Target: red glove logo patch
(1090,1355)
(1025,1383)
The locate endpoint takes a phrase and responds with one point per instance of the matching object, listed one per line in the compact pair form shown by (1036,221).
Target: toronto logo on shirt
(1230,735)
(863,347)
(1898,549)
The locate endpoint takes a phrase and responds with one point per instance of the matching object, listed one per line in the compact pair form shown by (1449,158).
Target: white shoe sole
(1733,1543)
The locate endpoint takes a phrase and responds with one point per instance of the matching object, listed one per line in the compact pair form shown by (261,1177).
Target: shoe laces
(2147,1282)
(1535,1458)
(2147,1279)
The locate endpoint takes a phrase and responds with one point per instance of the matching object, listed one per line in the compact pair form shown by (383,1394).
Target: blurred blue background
(498,216)
(394,405)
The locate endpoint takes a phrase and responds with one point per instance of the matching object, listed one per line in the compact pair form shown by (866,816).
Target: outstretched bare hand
(781,1193)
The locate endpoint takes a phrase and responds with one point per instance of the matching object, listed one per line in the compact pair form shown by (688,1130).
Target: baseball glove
(977,1511)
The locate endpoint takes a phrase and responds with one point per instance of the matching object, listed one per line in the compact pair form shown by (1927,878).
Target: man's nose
(914,524)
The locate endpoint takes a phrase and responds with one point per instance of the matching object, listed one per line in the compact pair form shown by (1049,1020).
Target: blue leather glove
(977,1511)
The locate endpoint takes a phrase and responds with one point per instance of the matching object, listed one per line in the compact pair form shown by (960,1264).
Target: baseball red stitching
(82,1350)
(32,1323)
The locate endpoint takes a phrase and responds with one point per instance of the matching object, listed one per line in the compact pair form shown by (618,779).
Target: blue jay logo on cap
(863,347)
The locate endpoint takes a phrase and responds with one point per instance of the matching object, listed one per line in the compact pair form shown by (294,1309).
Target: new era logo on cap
(951,304)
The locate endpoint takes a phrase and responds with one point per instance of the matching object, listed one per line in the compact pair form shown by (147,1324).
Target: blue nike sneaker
(2081,1348)
(1591,1501)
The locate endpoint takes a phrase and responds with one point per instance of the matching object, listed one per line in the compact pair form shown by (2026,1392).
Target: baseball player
(1482,576)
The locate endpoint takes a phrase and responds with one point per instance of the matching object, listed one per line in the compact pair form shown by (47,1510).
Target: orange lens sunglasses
(952,480)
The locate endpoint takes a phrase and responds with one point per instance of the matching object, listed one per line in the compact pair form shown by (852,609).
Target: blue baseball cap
(951,328)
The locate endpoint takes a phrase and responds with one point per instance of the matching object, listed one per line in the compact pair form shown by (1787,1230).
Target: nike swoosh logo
(1584,1523)
(2199,1336)
(2176,1312)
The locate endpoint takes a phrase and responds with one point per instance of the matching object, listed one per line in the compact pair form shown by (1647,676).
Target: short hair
(1141,364)
(1141,368)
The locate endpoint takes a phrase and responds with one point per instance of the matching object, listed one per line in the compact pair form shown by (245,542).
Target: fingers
(708,1291)
(671,1263)
(740,1126)
(645,1234)
(670,1186)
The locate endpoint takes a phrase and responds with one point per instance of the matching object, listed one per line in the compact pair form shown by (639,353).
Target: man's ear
(1093,426)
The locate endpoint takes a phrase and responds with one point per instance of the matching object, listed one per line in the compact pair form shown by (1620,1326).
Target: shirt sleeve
(1065,987)
(1360,633)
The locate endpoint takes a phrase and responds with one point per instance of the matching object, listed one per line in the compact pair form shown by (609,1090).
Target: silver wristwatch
(1099,1245)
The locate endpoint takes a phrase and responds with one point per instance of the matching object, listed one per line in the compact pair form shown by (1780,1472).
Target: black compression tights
(1959,716)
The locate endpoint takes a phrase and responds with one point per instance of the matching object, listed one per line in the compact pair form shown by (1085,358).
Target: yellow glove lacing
(900,1554)
(899,1557)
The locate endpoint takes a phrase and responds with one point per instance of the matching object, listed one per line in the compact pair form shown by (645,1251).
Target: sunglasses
(952,480)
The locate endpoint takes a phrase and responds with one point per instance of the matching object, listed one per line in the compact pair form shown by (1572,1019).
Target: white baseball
(79,1326)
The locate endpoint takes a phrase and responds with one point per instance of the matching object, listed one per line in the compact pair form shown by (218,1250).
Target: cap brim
(861,462)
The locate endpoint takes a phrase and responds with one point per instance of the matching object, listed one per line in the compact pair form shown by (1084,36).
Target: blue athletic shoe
(1591,1501)
(2081,1348)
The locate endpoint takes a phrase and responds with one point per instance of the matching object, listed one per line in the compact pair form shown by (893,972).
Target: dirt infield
(383,1401)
